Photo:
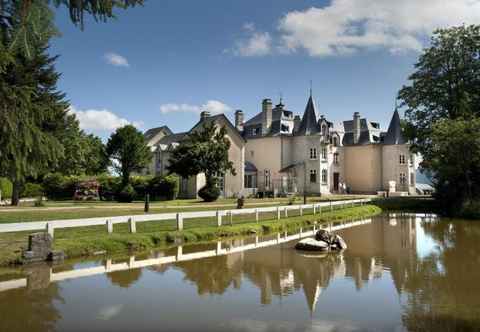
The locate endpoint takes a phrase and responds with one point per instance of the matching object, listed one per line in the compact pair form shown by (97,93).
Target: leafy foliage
(210,192)
(83,154)
(442,110)
(164,187)
(203,151)
(129,151)
(127,194)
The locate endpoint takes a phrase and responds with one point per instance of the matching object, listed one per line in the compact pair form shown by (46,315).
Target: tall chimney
(356,127)
(204,115)
(267,116)
(239,120)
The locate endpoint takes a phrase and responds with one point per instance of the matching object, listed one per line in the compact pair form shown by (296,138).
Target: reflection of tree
(443,288)
(125,278)
(32,308)
(213,275)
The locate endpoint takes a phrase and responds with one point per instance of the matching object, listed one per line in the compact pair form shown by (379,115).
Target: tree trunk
(16,193)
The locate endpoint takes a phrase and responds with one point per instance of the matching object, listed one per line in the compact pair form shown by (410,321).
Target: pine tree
(33,113)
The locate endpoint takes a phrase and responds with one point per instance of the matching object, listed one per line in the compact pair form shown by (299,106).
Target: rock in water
(310,244)
(341,244)
(323,235)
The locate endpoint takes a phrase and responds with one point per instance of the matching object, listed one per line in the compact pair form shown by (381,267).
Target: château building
(278,153)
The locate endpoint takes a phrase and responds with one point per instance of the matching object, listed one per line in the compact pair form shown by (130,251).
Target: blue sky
(162,63)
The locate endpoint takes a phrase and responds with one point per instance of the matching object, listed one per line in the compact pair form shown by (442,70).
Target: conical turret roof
(309,124)
(394,134)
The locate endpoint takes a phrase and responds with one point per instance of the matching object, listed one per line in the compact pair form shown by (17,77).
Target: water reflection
(401,272)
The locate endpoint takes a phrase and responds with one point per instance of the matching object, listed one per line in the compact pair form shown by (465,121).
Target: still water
(400,273)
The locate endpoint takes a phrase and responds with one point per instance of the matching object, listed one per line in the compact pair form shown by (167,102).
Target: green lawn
(74,210)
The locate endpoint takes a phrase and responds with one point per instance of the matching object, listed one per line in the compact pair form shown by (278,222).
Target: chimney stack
(356,127)
(267,116)
(204,115)
(239,120)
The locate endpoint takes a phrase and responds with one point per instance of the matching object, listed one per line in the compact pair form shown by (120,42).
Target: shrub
(127,194)
(109,186)
(140,184)
(6,188)
(164,187)
(210,192)
(32,190)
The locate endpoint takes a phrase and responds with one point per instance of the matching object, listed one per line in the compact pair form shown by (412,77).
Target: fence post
(50,229)
(314,208)
(331,207)
(109,226)
(314,227)
(278,212)
(256,215)
(131,261)
(278,237)
(179,222)
(219,247)
(286,212)
(256,240)
(132,225)
(301,232)
(231,218)
(179,252)
(301,210)
(219,219)
(108,265)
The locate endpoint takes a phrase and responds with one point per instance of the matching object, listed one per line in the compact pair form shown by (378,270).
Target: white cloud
(256,44)
(212,106)
(347,26)
(115,59)
(100,120)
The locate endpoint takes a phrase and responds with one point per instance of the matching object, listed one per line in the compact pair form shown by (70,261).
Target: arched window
(313,175)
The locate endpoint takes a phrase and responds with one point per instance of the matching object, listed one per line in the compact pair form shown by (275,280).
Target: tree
(83,154)
(129,152)
(445,86)
(30,22)
(32,114)
(203,151)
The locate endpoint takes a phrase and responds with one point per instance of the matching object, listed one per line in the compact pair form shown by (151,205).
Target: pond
(401,272)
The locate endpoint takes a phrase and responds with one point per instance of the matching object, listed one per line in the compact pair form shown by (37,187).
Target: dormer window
(313,153)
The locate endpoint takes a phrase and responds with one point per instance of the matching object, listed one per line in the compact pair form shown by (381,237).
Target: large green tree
(203,151)
(445,87)
(83,153)
(32,118)
(128,151)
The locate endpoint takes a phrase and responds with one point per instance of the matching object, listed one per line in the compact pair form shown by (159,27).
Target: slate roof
(309,124)
(394,134)
(151,133)
(217,117)
(173,138)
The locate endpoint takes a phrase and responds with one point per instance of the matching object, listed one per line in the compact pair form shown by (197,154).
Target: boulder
(323,235)
(310,244)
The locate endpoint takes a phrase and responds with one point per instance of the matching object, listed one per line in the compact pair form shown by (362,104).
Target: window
(324,176)
(324,153)
(335,158)
(402,159)
(285,128)
(250,181)
(255,131)
(403,178)
(267,179)
(313,175)
(313,153)
(324,130)
(411,160)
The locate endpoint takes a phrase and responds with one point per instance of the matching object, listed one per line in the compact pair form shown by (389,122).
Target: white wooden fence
(180,217)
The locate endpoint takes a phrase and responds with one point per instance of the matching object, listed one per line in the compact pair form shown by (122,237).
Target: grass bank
(407,204)
(87,241)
